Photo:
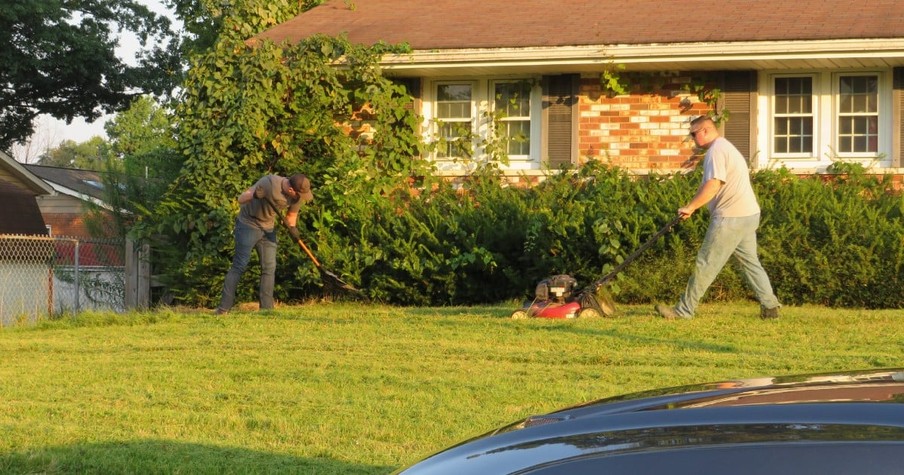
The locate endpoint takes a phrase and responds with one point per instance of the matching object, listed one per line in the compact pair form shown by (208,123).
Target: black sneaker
(769,313)
(220,311)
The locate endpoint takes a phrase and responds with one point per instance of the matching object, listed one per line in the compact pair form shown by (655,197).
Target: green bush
(823,240)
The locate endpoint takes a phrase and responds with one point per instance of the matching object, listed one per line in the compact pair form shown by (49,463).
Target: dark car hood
(848,408)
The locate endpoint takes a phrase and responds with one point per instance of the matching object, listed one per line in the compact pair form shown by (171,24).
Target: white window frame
(483,102)
(826,98)
(472,120)
(814,115)
(514,118)
(836,81)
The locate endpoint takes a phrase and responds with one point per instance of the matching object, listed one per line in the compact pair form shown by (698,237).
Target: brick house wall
(636,131)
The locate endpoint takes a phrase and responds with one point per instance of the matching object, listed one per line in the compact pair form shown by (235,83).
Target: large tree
(59,58)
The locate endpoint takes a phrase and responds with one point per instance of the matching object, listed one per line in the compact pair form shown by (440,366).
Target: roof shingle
(460,24)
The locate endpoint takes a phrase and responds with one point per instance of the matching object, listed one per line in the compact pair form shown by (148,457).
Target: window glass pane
(799,86)
(844,144)
(806,128)
(845,86)
(872,140)
(513,98)
(845,127)
(781,145)
(781,87)
(781,105)
(846,104)
(806,144)
(807,103)
(454,92)
(781,126)
(518,136)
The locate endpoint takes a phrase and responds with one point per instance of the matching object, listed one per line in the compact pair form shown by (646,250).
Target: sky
(49,132)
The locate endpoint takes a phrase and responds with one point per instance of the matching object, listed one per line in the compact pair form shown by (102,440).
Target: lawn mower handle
(643,247)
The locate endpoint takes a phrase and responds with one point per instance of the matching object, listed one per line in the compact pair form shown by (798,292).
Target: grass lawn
(343,388)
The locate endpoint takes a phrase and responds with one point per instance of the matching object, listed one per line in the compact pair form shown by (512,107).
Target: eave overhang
(772,55)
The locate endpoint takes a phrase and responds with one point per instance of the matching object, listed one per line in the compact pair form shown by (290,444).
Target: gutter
(890,51)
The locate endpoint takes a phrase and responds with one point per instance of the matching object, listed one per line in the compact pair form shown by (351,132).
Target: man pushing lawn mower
(734,219)
(255,228)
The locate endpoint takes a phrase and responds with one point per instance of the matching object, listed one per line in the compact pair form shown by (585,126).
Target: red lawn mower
(558,296)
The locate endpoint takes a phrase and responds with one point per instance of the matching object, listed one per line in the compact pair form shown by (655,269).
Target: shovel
(597,297)
(327,276)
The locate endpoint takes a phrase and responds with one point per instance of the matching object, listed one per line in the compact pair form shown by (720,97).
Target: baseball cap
(302,185)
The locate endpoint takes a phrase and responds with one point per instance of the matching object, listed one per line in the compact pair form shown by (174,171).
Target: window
(454,116)
(818,117)
(480,118)
(793,117)
(858,114)
(512,106)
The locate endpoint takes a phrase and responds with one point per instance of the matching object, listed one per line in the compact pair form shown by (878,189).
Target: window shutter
(739,97)
(898,118)
(559,100)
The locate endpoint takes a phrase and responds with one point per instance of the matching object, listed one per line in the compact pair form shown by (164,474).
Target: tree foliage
(249,110)
(208,21)
(91,154)
(58,58)
(142,162)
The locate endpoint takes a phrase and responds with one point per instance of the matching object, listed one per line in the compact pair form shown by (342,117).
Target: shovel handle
(294,233)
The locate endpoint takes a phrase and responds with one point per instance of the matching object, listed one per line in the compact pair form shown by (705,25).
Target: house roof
(20,213)
(86,185)
(660,33)
(24,179)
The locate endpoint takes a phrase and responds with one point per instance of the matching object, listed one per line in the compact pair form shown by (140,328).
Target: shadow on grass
(156,456)
(636,338)
(495,311)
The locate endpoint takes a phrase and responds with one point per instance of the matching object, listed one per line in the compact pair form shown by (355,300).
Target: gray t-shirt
(735,199)
(257,212)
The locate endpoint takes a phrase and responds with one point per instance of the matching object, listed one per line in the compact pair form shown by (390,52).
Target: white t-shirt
(735,199)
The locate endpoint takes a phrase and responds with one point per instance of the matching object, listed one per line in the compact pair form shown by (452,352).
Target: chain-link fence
(49,276)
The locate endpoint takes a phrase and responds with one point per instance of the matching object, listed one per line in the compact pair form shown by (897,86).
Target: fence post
(137,276)
(130,299)
(144,276)
(78,289)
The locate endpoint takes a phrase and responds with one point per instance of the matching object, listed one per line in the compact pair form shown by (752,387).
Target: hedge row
(837,242)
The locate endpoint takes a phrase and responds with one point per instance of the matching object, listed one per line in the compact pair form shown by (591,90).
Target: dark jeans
(247,238)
